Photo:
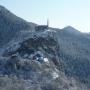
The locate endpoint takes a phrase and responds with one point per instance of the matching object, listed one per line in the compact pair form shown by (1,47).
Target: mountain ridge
(11,25)
(53,59)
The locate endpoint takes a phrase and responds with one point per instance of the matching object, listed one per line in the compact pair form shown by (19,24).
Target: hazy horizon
(61,13)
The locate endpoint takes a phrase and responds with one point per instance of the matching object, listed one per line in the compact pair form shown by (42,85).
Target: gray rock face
(38,59)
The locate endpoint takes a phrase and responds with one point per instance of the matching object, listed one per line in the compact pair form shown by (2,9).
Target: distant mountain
(70,29)
(75,53)
(10,24)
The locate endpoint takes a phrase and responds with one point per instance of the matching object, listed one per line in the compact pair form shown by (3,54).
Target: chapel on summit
(42,27)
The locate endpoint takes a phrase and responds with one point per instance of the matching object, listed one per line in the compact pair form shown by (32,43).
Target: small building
(42,27)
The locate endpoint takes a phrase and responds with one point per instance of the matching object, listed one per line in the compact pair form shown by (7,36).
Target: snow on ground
(13,47)
(46,60)
(55,75)
(15,43)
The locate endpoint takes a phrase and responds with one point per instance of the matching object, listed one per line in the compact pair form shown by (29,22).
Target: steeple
(47,22)
(42,27)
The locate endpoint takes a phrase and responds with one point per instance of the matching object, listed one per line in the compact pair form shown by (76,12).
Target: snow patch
(46,60)
(55,75)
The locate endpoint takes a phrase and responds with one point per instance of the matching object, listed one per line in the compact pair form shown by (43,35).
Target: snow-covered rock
(46,60)
(55,75)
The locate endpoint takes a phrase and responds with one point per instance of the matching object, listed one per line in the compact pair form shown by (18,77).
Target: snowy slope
(36,58)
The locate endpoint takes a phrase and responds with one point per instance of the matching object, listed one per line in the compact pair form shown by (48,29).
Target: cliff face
(37,48)
(38,59)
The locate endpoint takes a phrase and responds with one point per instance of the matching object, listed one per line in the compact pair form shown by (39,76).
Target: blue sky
(60,13)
